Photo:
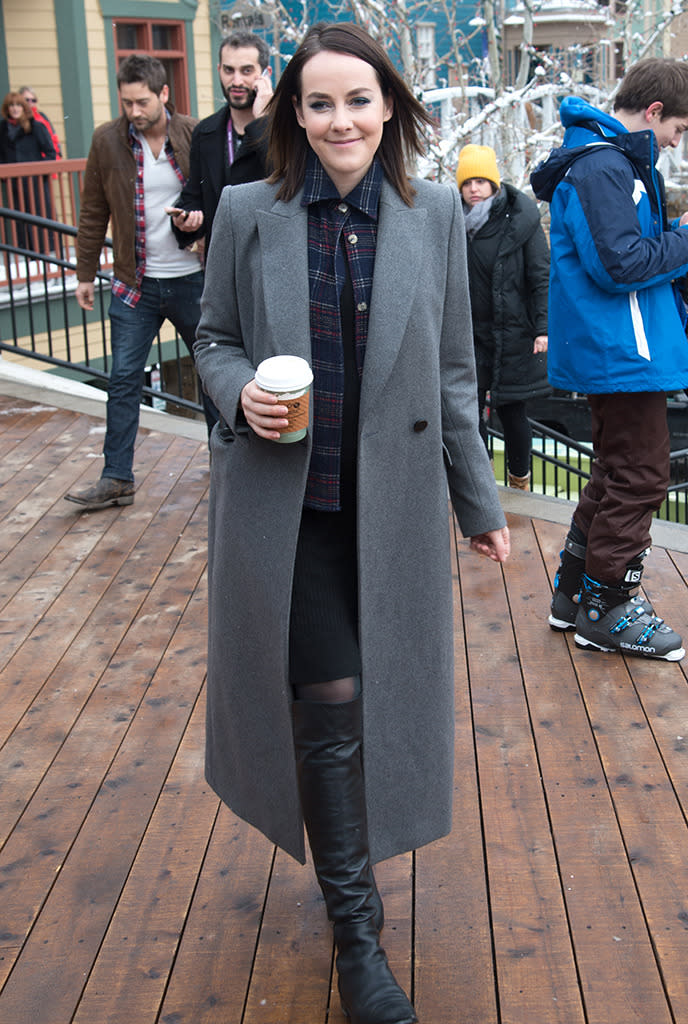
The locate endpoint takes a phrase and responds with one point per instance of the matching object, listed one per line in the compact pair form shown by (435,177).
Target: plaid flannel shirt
(128,295)
(339,230)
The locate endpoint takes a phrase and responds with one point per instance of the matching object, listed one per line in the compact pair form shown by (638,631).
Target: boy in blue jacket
(616,334)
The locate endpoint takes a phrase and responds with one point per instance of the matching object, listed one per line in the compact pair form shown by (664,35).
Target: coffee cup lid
(284,373)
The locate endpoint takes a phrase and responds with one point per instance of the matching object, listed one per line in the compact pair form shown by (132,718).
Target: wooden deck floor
(129,896)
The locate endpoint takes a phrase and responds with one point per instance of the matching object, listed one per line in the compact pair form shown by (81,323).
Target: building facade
(68,52)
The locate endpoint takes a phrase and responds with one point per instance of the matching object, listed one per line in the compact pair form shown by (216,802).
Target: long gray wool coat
(417,432)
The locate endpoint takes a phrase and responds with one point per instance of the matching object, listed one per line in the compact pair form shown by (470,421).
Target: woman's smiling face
(343,112)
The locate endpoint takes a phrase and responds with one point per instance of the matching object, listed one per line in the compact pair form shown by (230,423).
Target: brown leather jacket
(108,195)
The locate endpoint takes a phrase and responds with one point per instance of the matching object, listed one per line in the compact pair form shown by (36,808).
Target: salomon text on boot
(610,620)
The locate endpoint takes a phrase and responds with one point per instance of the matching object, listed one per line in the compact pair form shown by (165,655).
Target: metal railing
(560,468)
(41,320)
(48,189)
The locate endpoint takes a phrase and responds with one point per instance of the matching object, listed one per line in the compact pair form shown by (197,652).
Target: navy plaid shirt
(128,295)
(339,230)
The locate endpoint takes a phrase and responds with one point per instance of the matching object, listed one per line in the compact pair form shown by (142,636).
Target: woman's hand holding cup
(263,412)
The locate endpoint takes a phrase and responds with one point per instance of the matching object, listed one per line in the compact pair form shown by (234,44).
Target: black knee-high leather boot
(328,755)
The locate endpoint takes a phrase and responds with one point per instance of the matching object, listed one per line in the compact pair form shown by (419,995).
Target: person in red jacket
(29,95)
(23,139)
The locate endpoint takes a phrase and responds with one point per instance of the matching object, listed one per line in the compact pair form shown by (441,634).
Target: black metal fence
(560,467)
(41,320)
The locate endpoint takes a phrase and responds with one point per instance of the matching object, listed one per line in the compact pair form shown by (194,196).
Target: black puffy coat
(25,146)
(508,271)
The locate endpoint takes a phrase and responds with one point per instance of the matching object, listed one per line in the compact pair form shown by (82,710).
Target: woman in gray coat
(330,678)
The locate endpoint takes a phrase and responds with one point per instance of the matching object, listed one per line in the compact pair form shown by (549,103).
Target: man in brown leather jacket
(136,167)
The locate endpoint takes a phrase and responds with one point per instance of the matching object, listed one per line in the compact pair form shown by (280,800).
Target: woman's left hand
(540,344)
(495,544)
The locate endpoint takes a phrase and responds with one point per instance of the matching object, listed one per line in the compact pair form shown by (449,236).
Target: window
(165,40)
(427,62)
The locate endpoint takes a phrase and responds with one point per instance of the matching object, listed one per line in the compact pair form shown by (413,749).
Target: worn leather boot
(520,483)
(327,740)
(106,492)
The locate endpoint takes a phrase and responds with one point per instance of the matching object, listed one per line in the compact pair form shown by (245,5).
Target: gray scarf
(477,215)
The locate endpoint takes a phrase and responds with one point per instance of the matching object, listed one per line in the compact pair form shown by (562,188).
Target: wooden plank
(47,500)
(124,563)
(293,963)
(212,970)
(25,430)
(665,705)
(35,544)
(45,451)
(135,960)
(619,976)
(132,727)
(454,969)
(54,713)
(84,755)
(644,794)
(534,957)
(17,417)
(113,932)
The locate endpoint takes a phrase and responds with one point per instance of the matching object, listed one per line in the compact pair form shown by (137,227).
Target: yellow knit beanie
(477,162)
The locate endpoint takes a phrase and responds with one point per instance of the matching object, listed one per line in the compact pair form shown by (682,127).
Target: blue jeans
(133,329)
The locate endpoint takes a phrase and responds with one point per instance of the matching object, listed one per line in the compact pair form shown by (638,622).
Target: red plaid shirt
(128,295)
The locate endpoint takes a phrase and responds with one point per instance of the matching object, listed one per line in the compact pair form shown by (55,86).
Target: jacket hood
(576,113)
(587,129)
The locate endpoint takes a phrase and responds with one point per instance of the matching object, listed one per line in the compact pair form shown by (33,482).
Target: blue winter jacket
(616,319)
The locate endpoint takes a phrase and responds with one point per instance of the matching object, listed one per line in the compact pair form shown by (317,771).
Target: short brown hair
(655,80)
(245,39)
(27,113)
(139,67)
(403,136)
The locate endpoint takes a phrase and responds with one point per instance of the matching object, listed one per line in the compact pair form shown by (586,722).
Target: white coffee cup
(290,378)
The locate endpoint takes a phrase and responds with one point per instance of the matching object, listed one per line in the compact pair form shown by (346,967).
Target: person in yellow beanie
(508,273)
(478,163)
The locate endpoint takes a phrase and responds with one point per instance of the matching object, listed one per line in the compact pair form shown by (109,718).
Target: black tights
(334,691)
(518,437)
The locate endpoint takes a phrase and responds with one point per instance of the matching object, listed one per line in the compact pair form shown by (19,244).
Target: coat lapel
(401,247)
(283,233)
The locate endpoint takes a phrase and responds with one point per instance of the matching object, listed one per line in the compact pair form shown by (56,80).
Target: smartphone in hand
(173,210)
(265,73)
